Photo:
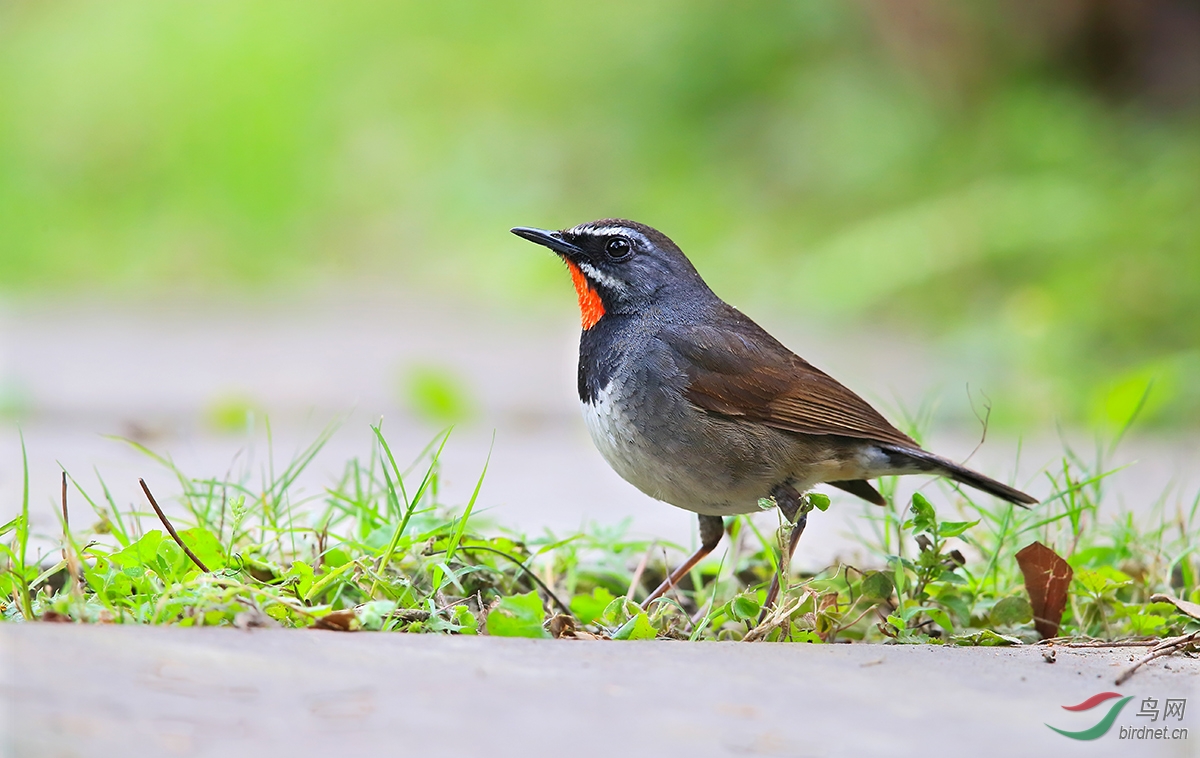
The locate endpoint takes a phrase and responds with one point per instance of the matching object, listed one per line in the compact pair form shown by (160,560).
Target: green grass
(379,550)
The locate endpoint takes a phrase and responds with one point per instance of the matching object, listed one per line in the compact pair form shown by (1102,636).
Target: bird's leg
(789,501)
(711,529)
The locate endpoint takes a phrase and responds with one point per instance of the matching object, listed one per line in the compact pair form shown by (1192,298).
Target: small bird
(698,406)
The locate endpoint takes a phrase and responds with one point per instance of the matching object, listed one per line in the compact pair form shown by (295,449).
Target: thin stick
(170,529)
(566,609)
(66,519)
(1115,643)
(69,556)
(637,573)
(1164,648)
(1077,642)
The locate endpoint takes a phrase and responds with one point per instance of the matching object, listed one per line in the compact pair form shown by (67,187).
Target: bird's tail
(927,462)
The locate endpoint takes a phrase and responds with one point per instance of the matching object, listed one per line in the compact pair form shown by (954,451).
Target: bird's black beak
(547,238)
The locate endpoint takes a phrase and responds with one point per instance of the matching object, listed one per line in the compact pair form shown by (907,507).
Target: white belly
(709,465)
(670,469)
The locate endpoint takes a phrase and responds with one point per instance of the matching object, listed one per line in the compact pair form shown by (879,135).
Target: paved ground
(137,691)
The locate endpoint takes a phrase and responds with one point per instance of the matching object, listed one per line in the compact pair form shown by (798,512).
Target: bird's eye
(618,248)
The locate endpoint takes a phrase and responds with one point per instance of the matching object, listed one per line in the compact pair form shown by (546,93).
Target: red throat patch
(591,308)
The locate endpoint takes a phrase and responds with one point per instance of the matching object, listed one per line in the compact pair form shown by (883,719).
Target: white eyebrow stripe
(624,231)
(600,277)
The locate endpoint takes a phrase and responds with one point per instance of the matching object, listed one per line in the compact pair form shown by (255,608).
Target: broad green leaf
(206,547)
(1148,623)
(303,574)
(941,618)
(170,564)
(1101,579)
(806,635)
(819,501)
(588,608)
(518,616)
(335,557)
(876,585)
(141,553)
(1091,557)
(636,628)
(1011,611)
(744,607)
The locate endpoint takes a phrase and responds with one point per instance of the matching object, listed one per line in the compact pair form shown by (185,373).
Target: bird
(696,405)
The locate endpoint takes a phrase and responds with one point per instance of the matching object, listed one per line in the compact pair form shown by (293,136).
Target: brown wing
(742,371)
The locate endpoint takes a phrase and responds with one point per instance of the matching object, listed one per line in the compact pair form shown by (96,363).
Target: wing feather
(739,370)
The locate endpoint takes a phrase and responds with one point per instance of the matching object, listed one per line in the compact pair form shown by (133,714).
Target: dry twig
(170,529)
(1166,647)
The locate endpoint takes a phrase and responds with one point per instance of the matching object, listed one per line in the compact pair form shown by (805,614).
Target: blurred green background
(1018,180)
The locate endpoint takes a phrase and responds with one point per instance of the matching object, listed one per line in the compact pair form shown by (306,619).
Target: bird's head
(618,266)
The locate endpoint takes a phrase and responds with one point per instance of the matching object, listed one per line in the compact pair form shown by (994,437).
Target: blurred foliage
(1017,178)
(437,395)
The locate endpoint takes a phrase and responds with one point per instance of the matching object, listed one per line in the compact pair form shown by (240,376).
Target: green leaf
(1011,611)
(518,616)
(984,638)
(819,501)
(170,564)
(876,585)
(1102,579)
(588,608)
(806,635)
(371,615)
(941,618)
(1094,556)
(465,620)
(954,528)
(744,607)
(1144,624)
(303,574)
(206,547)
(924,518)
(140,553)
(636,628)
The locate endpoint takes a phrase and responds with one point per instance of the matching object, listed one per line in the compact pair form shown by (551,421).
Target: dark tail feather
(925,461)
(860,488)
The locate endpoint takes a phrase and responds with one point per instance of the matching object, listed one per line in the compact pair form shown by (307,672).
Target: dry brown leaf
(338,621)
(54,617)
(562,626)
(1185,607)
(1047,578)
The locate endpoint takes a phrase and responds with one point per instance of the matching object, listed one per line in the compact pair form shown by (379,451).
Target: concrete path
(139,691)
